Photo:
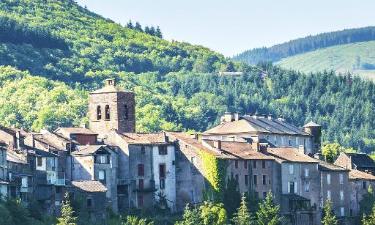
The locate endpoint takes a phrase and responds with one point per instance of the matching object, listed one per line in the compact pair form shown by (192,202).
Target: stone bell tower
(111,109)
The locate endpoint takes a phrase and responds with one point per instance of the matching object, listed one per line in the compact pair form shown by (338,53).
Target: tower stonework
(111,109)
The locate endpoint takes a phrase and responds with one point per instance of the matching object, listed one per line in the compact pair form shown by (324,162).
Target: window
(140,184)
(342,211)
(291,169)
(246,180)
(292,187)
(107,113)
(341,177)
(162,171)
(143,150)
(306,172)
(264,179)
(264,194)
(89,202)
(163,150)
(254,164)
(245,164)
(140,200)
(98,112)
(290,142)
(236,163)
(364,185)
(328,178)
(162,183)
(24,182)
(101,175)
(263,164)
(255,180)
(102,159)
(307,186)
(141,170)
(342,195)
(126,112)
(39,161)
(329,195)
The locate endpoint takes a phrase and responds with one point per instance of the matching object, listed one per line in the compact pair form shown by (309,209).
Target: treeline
(306,44)
(148,30)
(20,33)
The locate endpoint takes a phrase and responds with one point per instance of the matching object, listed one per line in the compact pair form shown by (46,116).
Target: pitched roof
(323,165)
(197,144)
(12,131)
(252,124)
(88,149)
(53,140)
(40,153)
(13,156)
(361,160)
(89,186)
(359,175)
(145,138)
(311,124)
(291,155)
(242,149)
(74,130)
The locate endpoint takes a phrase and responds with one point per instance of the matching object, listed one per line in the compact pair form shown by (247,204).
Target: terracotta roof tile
(359,175)
(291,154)
(323,165)
(89,186)
(74,130)
(144,138)
(87,149)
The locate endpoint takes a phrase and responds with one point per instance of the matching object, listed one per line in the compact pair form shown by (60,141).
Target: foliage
(268,213)
(67,212)
(329,217)
(133,220)
(242,216)
(367,202)
(213,214)
(191,216)
(370,219)
(232,197)
(215,174)
(306,44)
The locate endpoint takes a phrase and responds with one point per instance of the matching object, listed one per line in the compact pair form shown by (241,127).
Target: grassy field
(342,58)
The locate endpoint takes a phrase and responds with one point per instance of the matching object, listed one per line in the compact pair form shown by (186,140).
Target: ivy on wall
(215,174)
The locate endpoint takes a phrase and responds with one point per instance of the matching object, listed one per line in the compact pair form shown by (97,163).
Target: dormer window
(126,112)
(107,113)
(98,112)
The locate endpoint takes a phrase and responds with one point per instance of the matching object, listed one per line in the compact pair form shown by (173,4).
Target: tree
(367,202)
(213,214)
(242,216)
(232,197)
(330,151)
(268,212)
(133,220)
(158,32)
(191,217)
(370,219)
(329,217)
(67,212)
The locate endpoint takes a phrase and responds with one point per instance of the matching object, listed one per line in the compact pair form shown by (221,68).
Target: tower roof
(311,124)
(110,87)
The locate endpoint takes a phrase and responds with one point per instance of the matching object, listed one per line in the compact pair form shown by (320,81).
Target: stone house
(99,163)
(335,187)
(3,171)
(276,132)
(81,135)
(356,161)
(91,195)
(359,182)
(147,176)
(300,185)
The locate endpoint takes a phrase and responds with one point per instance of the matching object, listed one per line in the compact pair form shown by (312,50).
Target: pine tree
(367,202)
(329,218)
(130,25)
(67,212)
(242,217)
(268,213)
(191,217)
(370,219)
(138,26)
(158,32)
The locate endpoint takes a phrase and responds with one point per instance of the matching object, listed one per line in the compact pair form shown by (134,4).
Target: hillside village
(109,164)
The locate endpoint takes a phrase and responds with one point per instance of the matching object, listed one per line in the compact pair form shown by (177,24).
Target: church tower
(111,109)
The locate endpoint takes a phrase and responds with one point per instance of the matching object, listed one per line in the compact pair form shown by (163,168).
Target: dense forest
(306,44)
(177,85)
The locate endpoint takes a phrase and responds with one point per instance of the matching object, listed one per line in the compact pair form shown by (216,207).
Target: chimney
(18,139)
(301,149)
(236,116)
(269,117)
(217,144)
(110,82)
(33,141)
(255,145)
(227,117)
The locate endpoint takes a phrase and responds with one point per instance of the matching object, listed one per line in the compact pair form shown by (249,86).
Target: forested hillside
(306,44)
(176,84)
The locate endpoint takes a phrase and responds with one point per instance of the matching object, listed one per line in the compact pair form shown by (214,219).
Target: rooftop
(145,138)
(89,186)
(359,175)
(291,155)
(361,160)
(15,157)
(256,124)
(323,165)
(89,149)
(74,130)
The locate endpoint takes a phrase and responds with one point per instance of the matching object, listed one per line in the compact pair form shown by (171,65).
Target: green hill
(54,52)
(358,58)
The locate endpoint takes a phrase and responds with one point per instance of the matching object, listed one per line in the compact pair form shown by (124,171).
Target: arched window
(107,113)
(126,112)
(98,112)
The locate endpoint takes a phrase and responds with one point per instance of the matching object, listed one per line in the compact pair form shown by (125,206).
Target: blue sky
(231,26)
